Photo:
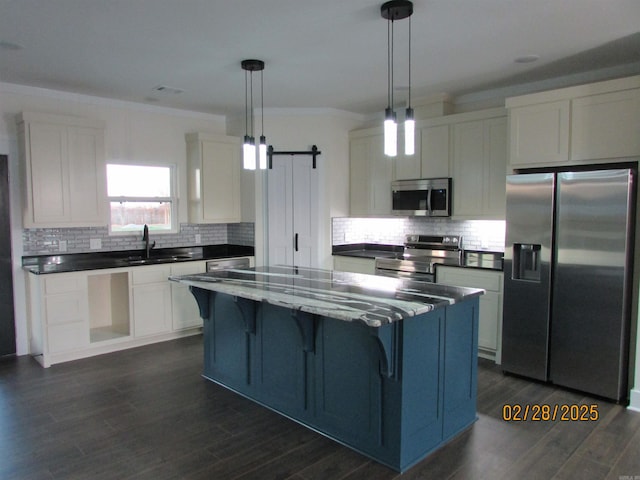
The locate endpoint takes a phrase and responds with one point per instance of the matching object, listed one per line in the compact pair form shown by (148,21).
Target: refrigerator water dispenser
(526,262)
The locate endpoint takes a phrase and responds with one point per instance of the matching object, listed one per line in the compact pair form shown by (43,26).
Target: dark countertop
(371,299)
(368,250)
(73,262)
(482,259)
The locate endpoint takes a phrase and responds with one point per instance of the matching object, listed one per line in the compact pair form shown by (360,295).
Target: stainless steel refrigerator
(568,273)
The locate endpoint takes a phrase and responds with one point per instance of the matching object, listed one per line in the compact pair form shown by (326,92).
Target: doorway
(7,325)
(292,209)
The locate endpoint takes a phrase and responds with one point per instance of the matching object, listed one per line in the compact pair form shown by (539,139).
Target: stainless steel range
(421,254)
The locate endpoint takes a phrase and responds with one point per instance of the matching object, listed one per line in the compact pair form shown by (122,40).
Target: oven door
(404,269)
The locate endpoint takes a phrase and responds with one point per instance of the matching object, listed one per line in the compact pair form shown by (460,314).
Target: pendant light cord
(246,103)
(252,119)
(389,63)
(262,101)
(409,104)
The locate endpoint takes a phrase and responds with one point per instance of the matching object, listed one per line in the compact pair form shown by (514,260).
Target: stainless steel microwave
(425,197)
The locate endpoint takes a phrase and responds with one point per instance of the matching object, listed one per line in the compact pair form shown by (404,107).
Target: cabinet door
(479,168)
(381,175)
(185,312)
(495,131)
(359,187)
(435,151)
(408,166)
(371,173)
(48,174)
(87,191)
(606,126)
(488,324)
(468,168)
(151,309)
(539,134)
(220,187)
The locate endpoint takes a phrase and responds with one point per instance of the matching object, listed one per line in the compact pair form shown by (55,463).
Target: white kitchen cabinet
(431,159)
(354,264)
(151,295)
(605,126)
(370,174)
(64,171)
(478,166)
(214,165)
(585,124)
(58,313)
(490,317)
(185,312)
(539,134)
(434,151)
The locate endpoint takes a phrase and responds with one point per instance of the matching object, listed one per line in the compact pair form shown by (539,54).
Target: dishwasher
(227,263)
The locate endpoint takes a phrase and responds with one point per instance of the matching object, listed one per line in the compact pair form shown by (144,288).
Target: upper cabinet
(478,168)
(370,174)
(469,147)
(63,164)
(594,123)
(431,159)
(213,164)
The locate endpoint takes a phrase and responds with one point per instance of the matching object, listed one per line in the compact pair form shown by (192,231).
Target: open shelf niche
(109,306)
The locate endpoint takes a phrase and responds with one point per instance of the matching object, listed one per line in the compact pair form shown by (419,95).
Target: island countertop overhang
(371,299)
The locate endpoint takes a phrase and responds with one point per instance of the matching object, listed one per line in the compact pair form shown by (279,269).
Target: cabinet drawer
(188,268)
(142,275)
(68,337)
(63,284)
(464,277)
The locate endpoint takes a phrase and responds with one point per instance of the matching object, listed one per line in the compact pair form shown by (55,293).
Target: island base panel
(394,393)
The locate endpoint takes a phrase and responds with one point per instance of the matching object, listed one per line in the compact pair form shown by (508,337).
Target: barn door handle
(295,242)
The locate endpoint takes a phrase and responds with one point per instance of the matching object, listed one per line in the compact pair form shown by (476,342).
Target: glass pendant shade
(390,133)
(262,153)
(409,133)
(249,153)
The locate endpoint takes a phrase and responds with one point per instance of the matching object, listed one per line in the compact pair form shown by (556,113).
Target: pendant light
(249,144)
(392,11)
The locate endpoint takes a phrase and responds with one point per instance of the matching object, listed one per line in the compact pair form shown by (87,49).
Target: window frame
(172,199)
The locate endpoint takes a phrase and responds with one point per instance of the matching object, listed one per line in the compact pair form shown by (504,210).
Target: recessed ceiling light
(527,58)
(6,45)
(167,90)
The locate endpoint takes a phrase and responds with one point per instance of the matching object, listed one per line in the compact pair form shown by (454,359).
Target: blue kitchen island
(385,366)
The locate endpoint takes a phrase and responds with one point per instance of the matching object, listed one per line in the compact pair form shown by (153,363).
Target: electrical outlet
(95,243)
(198,238)
(62,246)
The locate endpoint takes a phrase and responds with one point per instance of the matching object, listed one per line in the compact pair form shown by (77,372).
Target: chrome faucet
(145,239)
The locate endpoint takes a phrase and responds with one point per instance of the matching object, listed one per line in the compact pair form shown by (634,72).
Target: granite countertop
(74,262)
(371,299)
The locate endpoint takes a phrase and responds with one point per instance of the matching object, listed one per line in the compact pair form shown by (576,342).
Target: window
(140,195)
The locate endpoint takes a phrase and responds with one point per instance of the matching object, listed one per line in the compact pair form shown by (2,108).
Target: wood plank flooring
(147,413)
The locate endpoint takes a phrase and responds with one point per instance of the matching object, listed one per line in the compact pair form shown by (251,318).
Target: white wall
(298,130)
(135,133)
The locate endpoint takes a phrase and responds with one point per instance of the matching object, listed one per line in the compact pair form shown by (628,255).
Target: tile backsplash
(476,234)
(42,241)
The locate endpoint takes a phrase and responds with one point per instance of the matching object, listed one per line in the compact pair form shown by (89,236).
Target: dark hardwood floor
(147,413)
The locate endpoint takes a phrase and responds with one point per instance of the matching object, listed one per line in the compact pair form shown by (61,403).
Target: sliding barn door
(292,196)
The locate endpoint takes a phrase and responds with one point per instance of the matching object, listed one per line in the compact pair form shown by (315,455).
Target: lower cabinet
(151,295)
(80,314)
(354,264)
(64,312)
(490,322)
(185,313)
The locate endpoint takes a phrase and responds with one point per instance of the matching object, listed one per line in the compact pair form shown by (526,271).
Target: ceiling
(329,53)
